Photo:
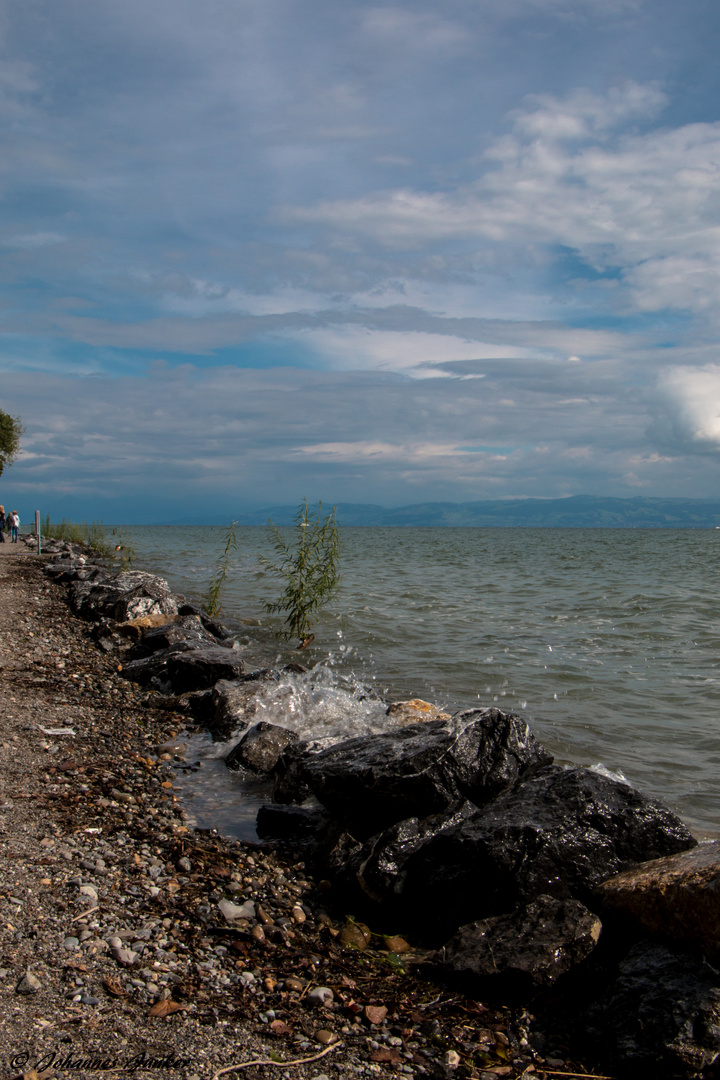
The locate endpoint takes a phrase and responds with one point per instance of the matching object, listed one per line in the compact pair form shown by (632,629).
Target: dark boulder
(260,747)
(211,625)
(290,785)
(560,832)
(235,703)
(188,630)
(659,1018)
(515,956)
(296,823)
(372,781)
(181,668)
(127,596)
(377,864)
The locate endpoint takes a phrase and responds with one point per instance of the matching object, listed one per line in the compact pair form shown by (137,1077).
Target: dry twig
(282,1064)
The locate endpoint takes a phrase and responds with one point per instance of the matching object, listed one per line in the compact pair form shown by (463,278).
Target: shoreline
(110,901)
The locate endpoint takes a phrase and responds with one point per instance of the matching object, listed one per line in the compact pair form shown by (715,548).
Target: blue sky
(255,250)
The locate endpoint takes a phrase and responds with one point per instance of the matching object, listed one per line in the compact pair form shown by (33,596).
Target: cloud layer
(393,253)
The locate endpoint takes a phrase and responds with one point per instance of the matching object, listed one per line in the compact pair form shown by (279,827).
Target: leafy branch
(212,604)
(309,566)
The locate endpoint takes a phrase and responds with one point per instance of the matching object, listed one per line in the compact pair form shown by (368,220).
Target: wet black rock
(181,668)
(375,866)
(290,785)
(222,633)
(260,747)
(560,832)
(296,823)
(659,1018)
(373,781)
(235,703)
(515,956)
(187,630)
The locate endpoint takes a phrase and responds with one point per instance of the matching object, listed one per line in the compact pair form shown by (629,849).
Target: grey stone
(28,984)
(231,911)
(320,996)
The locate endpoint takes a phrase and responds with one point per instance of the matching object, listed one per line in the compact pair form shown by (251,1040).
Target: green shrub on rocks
(212,603)
(91,536)
(309,568)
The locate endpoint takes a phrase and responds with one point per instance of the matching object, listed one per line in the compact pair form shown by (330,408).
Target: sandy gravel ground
(115,957)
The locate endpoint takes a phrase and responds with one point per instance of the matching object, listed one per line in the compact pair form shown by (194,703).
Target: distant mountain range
(577,511)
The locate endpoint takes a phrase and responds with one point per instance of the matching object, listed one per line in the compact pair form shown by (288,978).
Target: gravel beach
(121,947)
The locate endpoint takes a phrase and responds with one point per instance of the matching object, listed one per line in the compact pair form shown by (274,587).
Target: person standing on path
(2,524)
(14,526)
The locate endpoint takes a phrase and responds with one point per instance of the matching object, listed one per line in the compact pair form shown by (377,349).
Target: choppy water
(605,639)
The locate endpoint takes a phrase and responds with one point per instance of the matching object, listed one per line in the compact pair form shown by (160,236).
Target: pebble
(231,912)
(452,1059)
(325,1037)
(71,943)
(320,996)
(28,984)
(127,957)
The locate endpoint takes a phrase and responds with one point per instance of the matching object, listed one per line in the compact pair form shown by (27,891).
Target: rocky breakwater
(506,870)
(529,881)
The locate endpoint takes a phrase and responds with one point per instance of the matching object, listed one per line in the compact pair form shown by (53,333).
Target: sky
(261,250)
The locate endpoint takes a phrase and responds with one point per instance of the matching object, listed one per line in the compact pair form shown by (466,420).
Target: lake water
(606,640)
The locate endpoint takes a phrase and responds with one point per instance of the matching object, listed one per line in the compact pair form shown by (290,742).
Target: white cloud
(693,395)
(356,348)
(645,206)
(29,241)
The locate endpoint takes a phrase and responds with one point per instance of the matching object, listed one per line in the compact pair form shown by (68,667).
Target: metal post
(37,531)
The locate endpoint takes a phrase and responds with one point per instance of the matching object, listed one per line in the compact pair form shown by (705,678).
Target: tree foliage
(10,431)
(309,567)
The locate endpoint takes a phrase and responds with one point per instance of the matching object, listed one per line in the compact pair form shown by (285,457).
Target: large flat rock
(373,781)
(182,668)
(677,897)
